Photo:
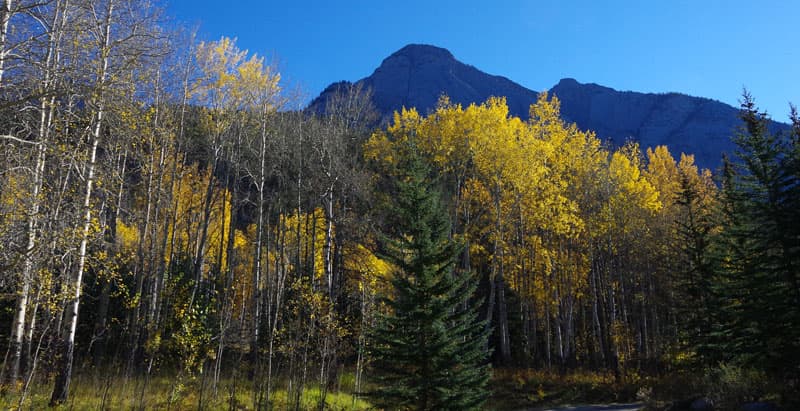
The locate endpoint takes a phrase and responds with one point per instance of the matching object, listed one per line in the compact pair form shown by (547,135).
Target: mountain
(417,75)
(685,124)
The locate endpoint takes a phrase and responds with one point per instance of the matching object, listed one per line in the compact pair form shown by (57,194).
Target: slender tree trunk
(156,252)
(502,320)
(548,335)
(559,323)
(18,329)
(5,18)
(19,342)
(62,382)
(258,248)
(61,390)
(499,288)
(138,328)
(30,330)
(327,248)
(200,251)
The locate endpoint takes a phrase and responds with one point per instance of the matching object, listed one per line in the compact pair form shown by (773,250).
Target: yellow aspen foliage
(701,179)
(521,184)
(701,182)
(662,173)
(308,231)
(382,146)
(127,237)
(255,83)
(218,62)
(372,272)
(190,195)
(633,190)
(12,198)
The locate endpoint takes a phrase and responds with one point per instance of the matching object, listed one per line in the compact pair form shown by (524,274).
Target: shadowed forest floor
(608,407)
(512,390)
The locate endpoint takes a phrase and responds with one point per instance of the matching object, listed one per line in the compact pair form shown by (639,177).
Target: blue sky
(709,48)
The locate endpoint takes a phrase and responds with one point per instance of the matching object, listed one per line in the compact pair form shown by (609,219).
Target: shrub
(729,386)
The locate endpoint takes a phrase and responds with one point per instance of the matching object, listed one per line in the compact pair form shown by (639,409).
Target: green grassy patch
(173,393)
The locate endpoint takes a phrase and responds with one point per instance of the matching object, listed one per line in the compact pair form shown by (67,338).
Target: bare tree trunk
(596,317)
(328,246)
(155,252)
(30,329)
(7,12)
(548,334)
(497,268)
(226,307)
(558,319)
(19,342)
(18,329)
(502,320)
(276,306)
(170,220)
(200,252)
(61,388)
(137,327)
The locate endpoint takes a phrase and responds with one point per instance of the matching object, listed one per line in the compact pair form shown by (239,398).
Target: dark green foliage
(429,350)
(758,251)
(695,303)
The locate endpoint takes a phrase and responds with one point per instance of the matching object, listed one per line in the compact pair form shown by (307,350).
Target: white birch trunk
(61,389)
(4,20)
(18,332)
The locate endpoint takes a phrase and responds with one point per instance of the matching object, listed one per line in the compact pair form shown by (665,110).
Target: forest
(176,232)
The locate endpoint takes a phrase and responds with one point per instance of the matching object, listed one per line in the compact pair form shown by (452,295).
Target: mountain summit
(417,75)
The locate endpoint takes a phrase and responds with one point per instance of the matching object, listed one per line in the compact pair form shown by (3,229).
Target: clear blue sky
(709,48)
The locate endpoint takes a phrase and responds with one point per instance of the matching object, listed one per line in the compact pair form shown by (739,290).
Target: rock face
(685,124)
(417,75)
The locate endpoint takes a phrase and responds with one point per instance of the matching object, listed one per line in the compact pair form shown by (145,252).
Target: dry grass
(523,388)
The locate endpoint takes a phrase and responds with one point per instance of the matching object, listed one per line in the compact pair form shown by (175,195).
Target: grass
(512,389)
(527,388)
(169,392)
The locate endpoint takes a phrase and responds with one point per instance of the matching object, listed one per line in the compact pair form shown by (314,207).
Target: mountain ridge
(418,74)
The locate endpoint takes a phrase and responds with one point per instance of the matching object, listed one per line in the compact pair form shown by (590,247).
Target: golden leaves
(229,79)
(532,196)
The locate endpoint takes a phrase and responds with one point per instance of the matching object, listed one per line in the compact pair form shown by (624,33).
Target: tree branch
(18,140)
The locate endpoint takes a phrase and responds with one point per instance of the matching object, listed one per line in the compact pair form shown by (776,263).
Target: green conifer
(757,251)
(428,349)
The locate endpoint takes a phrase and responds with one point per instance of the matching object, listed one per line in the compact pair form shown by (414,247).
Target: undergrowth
(174,393)
(521,388)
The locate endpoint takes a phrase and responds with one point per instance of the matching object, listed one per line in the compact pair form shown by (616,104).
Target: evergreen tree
(428,350)
(695,302)
(757,251)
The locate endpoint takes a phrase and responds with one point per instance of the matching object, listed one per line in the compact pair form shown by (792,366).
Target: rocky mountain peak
(420,53)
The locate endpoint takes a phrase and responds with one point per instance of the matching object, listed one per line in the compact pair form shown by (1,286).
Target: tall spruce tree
(757,251)
(429,349)
(695,301)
